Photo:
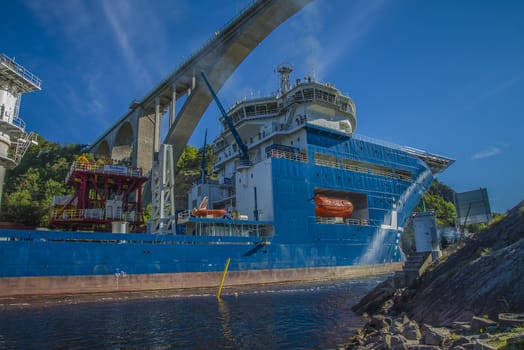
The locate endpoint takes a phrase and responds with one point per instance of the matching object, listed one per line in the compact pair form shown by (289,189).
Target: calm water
(290,316)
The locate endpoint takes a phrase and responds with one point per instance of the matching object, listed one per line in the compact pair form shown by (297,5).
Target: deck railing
(80,165)
(24,73)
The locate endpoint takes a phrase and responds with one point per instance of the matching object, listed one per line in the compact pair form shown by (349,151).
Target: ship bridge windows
(308,94)
(260,109)
(322,95)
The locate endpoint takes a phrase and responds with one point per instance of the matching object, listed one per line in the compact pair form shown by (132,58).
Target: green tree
(445,212)
(30,186)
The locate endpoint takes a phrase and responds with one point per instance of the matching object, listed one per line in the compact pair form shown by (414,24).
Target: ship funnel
(284,70)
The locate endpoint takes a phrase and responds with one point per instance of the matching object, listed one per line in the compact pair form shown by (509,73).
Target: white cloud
(486,153)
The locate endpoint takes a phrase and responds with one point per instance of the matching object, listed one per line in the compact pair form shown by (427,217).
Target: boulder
(379,322)
(400,347)
(461,327)
(478,323)
(508,320)
(459,342)
(482,346)
(411,331)
(398,340)
(435,336)
(518,339)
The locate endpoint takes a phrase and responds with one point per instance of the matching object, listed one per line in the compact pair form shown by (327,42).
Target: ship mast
(284,70)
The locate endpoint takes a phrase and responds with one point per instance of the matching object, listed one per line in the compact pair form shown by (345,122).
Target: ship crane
(244,155)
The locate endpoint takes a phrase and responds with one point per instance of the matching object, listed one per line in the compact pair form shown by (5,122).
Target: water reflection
(223,310)
(297,316)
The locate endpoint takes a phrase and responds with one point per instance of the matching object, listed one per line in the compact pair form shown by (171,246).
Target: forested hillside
(29,188)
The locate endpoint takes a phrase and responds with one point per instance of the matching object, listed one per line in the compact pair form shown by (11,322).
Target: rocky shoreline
(402,333)
(471,299)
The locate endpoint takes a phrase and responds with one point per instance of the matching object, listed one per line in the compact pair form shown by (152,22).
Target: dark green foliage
(29,188)
(440,199)
(442,190)
(188,172)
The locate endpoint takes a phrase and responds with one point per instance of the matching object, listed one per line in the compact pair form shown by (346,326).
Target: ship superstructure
(311,176)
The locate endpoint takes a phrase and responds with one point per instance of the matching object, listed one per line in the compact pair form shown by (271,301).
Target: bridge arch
(123,145)
(103,151)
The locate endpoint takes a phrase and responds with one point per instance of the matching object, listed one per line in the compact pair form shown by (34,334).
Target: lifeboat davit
(332,207)
(203,212)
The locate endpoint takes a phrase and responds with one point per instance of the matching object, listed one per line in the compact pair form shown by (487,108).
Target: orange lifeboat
(202,211)
(214,213)
(332,207)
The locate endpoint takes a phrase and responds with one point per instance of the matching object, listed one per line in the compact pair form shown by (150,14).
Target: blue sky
(444,76)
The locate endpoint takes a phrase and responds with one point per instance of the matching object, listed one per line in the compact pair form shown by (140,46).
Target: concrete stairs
(414,267)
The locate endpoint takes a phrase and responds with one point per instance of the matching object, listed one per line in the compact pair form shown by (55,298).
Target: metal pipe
(219,292)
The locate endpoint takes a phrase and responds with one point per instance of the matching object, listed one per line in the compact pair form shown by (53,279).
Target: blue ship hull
(300,246)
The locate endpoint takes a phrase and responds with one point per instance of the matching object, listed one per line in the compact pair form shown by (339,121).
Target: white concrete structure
(14,141)
(426,237)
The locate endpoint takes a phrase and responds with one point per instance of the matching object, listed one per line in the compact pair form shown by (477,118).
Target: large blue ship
(296,195)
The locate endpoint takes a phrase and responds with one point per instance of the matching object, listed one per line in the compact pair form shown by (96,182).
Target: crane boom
(244,155)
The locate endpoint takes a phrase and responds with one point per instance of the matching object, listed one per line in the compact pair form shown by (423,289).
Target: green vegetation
(29,188)
(503,339)
(188,171)
(440,200)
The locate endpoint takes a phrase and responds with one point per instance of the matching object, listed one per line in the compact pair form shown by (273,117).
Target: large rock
(411,331)
(478,323)
(379,322)
(482,346)
(518,339)
(459,342)
(436,336)
(374,300)
(482,278)
(398,340)
(510,320)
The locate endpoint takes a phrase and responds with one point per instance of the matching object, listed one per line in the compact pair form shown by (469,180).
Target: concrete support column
(172,106)
(156,138)
(2,178)
(143,153)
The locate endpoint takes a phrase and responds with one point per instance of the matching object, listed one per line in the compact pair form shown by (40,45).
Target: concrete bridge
(136,136)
